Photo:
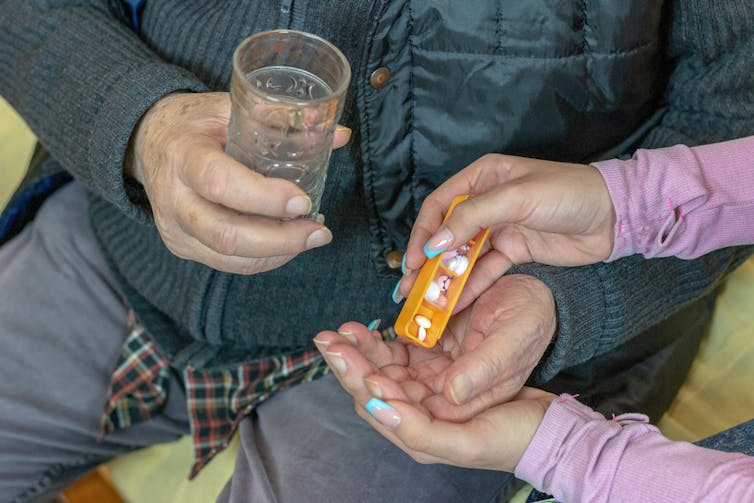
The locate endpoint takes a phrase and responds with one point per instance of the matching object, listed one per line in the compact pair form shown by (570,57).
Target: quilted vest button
(394,259)
(379,78)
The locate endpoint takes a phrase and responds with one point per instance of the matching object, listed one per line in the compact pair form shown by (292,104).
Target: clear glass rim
(336,93)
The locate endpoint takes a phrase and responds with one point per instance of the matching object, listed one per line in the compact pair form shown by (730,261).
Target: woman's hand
(495,439)
(460,402)
(484,357)
(207,206)
(537,211)
(400,390)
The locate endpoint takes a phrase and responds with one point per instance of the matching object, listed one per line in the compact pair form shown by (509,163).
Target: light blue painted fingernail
(433,254)
(397,295)
(374,404)
(383,412)
(374,325)
(403,264)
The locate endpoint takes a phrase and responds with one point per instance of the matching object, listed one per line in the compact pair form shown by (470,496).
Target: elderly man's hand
(483,359)
(209,207)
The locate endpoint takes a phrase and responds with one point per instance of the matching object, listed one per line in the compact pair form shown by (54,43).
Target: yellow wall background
(16,143)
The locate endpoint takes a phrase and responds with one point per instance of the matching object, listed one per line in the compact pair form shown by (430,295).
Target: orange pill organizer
(437,289)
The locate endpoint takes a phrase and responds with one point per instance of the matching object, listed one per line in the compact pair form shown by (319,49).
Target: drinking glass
(287,94)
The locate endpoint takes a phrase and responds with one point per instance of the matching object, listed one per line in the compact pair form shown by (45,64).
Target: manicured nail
(336,362)
(460,388)
(404,270)
(321,345)
(383,412)
(320,237)
(374,325)
(298,205)
(348,335)
(397,295)
(438,243)
(373,387)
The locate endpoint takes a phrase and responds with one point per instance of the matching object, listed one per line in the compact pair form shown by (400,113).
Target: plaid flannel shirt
(216,399)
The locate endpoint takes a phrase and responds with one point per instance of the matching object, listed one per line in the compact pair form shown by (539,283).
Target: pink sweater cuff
(578,455)
(682,201)
(554,463)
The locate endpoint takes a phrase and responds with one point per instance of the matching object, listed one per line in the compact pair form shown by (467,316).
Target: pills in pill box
(422,334)
(433,292)
(444,281)
(458,264)
(438,288)
(422,321)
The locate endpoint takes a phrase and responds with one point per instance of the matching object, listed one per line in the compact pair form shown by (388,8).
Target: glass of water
(287,94)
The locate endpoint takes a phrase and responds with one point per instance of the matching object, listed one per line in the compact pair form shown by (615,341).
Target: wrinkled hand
(484,357)
(461,402)
(209,207)
(537,211)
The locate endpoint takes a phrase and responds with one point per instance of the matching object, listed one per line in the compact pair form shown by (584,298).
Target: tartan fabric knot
(216,399)
(139,385)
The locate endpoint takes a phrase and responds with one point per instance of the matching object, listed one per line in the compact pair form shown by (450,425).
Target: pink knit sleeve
(578,455)
(682,201)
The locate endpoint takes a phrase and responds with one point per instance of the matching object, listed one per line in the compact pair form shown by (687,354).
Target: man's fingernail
(438,243)
(460,388)
(320,219)
(383,412)
(336,361)
(397,295)
(343,129)
(374,325)
(373,387)
(320,237)
(298,205)
(348,335)
(321,345)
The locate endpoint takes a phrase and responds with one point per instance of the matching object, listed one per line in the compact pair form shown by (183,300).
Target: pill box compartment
(437,307)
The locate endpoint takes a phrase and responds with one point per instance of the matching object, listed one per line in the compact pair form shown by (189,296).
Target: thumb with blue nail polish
(439,242)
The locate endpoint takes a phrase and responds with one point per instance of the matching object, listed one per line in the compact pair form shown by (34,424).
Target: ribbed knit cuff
(82,79)
(126,102)
(580,310)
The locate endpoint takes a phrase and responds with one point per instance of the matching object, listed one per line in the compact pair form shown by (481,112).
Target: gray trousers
(62,325)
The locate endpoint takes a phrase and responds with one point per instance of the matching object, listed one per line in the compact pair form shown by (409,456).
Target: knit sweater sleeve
(709,98)
(81,78)
(682,201)
(578,455)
